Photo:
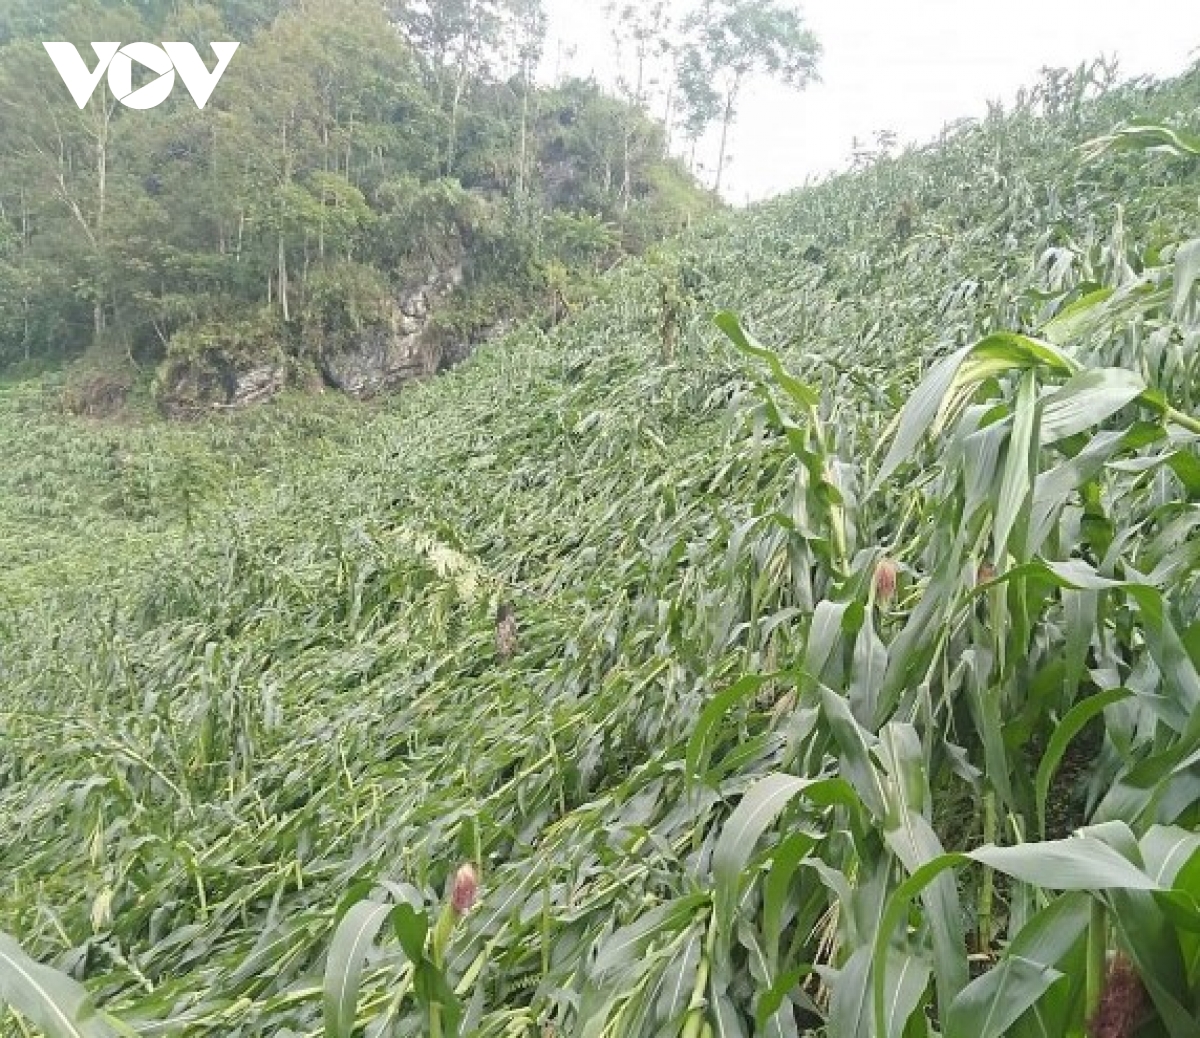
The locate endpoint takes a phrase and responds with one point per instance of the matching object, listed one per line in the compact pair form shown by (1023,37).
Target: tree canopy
(729,41)
(351,143)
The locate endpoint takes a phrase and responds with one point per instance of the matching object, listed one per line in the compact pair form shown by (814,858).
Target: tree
(529,25)
(63,157)
(701,103)
(454,35)
(728,41)
(647,26)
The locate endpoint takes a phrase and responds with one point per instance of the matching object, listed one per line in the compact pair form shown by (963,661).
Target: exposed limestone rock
(399,348)
(237,365)
(215,381)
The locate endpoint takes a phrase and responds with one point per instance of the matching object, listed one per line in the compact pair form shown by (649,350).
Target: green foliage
(345,297)
(855,681)
(727,42)
(346,134)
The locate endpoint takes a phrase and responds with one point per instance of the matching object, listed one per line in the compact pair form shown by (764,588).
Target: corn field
(836,672)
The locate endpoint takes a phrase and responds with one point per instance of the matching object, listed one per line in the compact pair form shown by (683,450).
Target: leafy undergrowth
(799,646)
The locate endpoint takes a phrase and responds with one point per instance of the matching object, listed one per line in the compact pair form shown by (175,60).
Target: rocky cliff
(245,364)
(398,347)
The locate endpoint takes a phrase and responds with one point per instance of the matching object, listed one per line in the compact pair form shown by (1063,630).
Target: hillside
(792,651)
(369,191)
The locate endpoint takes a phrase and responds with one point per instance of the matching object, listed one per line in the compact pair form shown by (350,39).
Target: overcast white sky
(910,66)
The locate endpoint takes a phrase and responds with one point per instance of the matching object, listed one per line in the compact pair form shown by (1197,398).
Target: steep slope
(241,718)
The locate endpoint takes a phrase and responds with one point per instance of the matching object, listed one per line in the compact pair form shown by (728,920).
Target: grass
(255,717)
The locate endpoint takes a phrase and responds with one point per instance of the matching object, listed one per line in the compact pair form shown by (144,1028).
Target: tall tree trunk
(219,218)
(304,271)
(283,280)
(102,127)
(523,158)
(452,134)
(324,191)
(639,87)
(627,175)
(728,118)
(283,275)
(667,116)
(101,176)
(460,88)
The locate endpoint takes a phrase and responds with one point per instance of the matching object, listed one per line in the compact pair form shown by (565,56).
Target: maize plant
(855,688)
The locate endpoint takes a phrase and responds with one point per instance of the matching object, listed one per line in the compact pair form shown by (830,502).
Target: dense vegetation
(349,151)
(854,686)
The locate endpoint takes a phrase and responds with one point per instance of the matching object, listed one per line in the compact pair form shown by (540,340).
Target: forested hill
(370,189)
